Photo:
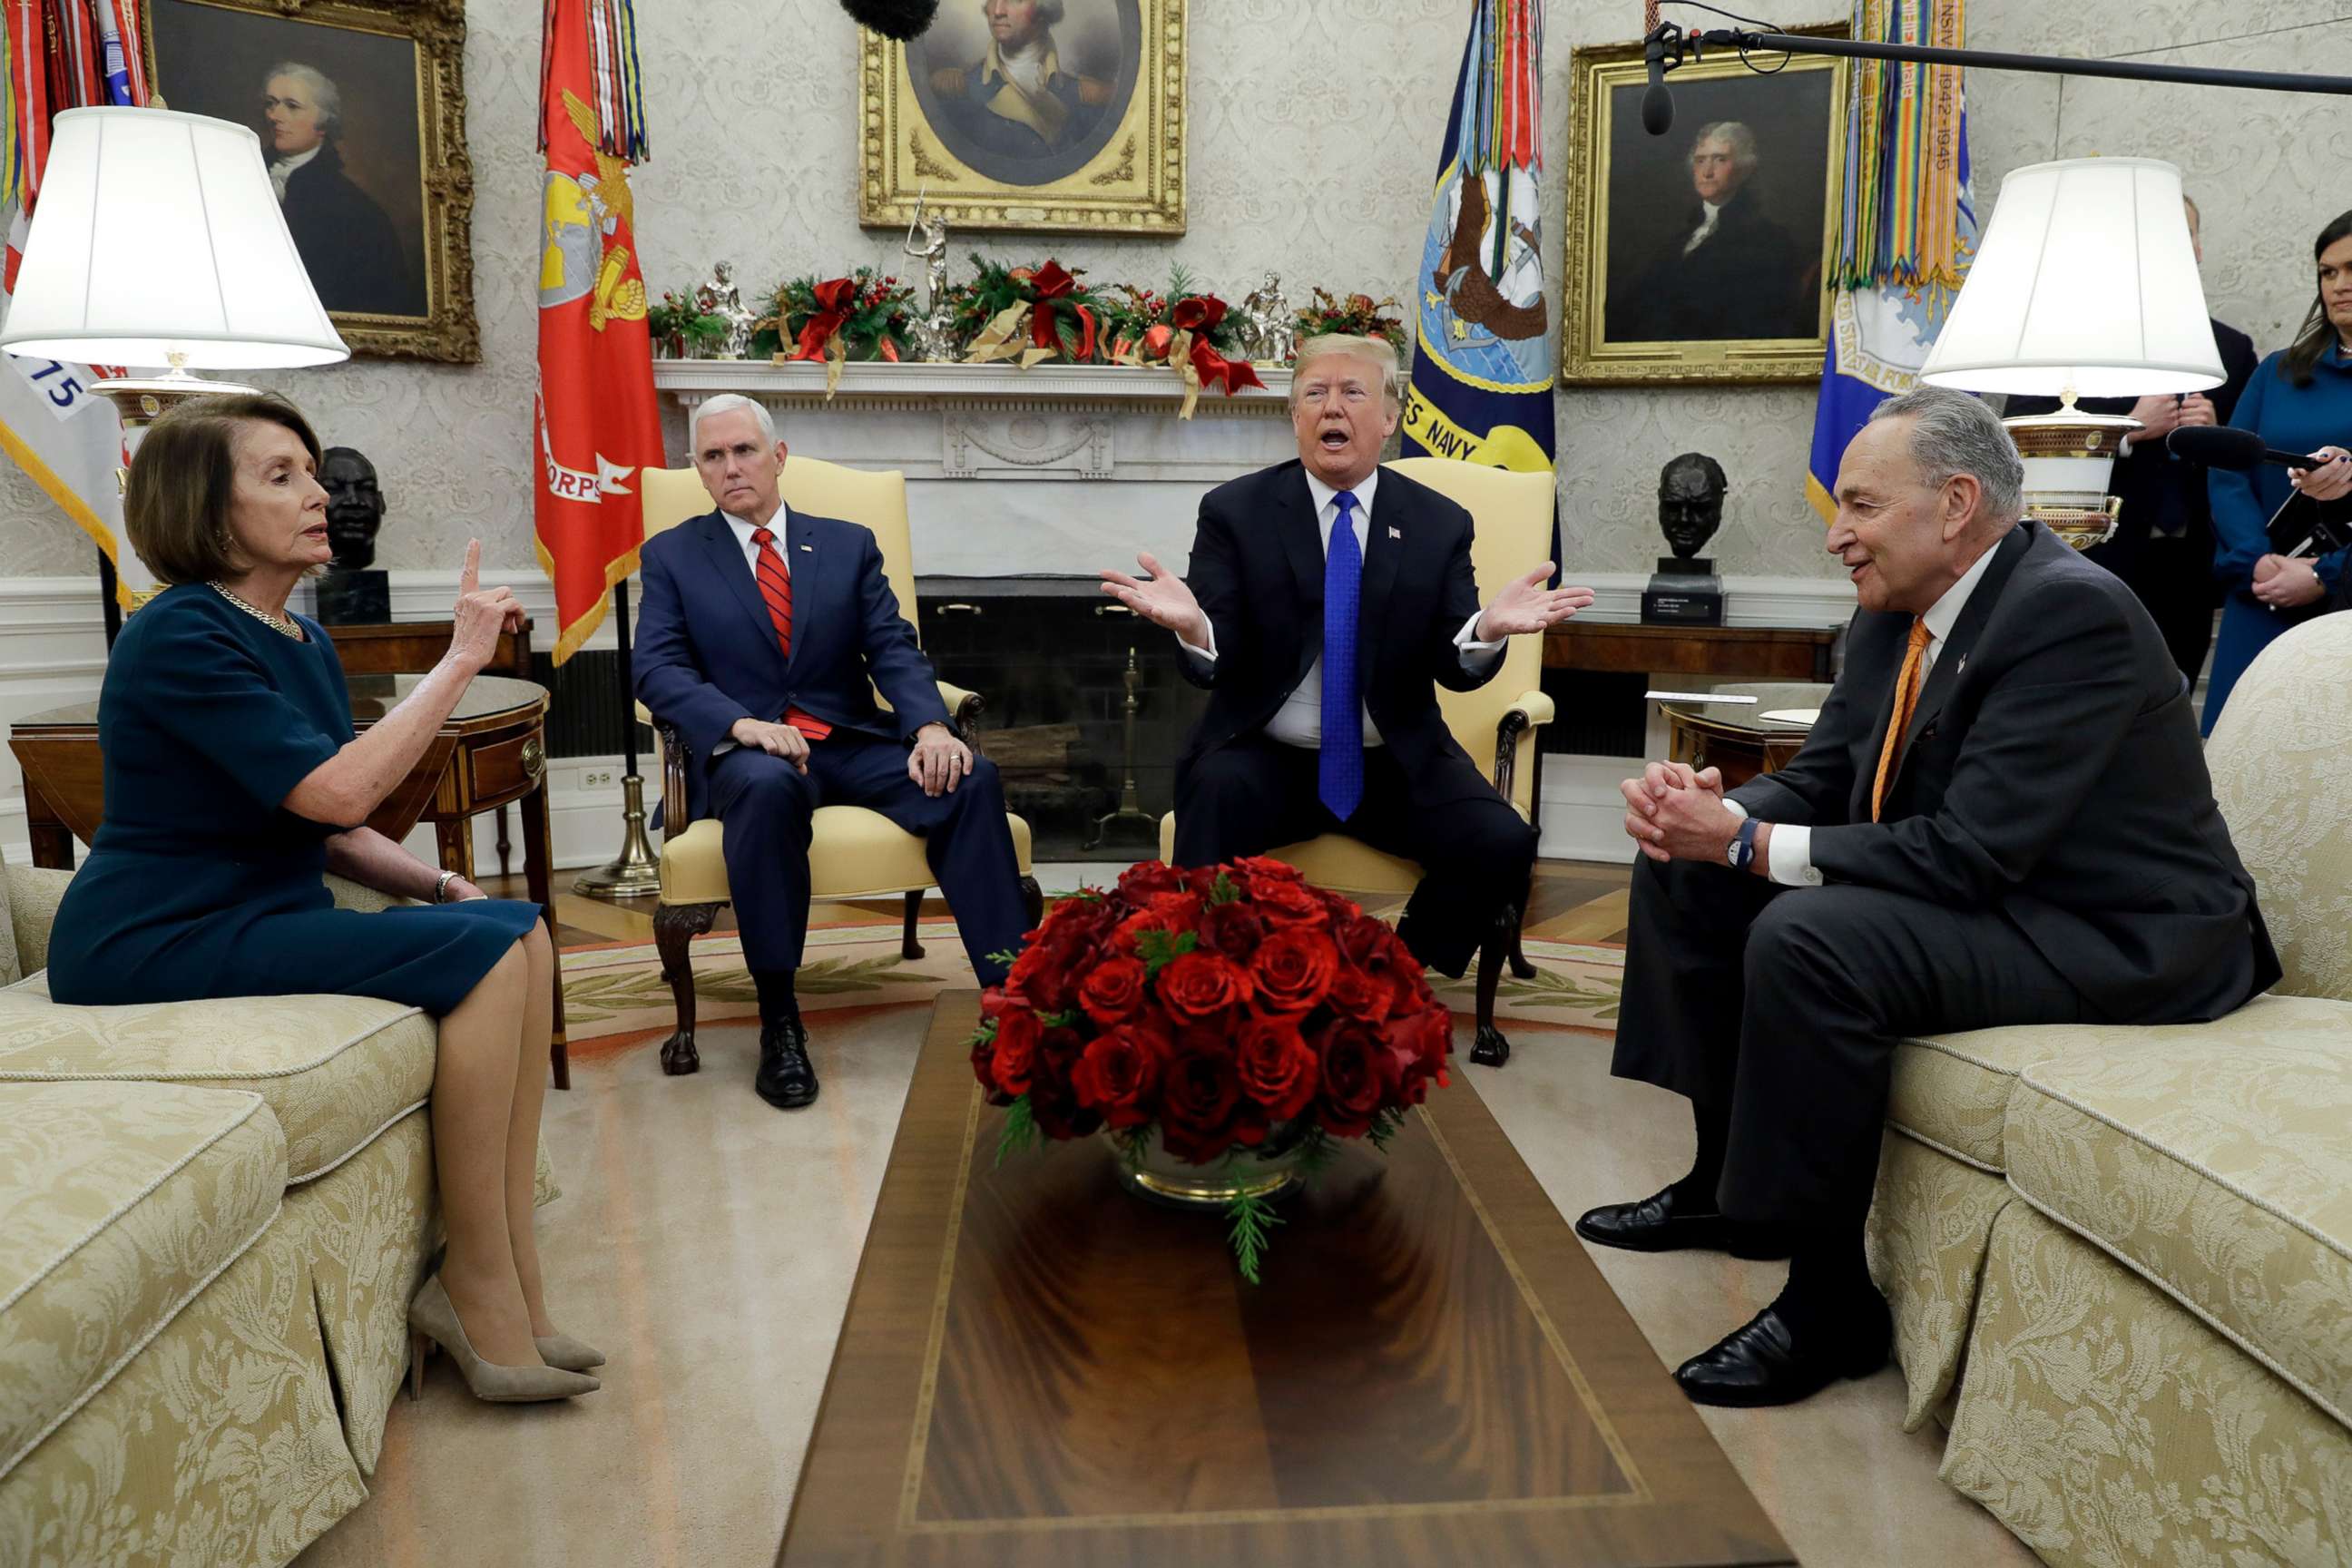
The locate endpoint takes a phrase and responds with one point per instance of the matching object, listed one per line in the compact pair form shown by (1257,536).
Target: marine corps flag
(1482,374)
(596,423)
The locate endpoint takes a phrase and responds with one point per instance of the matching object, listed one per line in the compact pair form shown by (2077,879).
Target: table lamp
(159,241)
(2085,285)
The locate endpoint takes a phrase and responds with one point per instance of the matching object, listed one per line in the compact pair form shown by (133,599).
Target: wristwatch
(1742,853)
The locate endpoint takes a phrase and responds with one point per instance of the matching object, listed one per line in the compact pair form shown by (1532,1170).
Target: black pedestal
(355,599)
(1683,593)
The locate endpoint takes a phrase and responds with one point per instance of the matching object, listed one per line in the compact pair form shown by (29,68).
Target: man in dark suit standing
(1327,601)
(2163,544)
(2001,816)
(762,637)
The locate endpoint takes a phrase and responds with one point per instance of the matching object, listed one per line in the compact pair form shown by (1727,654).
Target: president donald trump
(1328,600)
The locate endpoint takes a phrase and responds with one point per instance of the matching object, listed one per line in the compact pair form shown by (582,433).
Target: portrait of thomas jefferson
(1033,91)
(345,239)
(1727,265)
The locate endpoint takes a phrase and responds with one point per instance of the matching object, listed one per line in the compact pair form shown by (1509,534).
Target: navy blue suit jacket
(706,653)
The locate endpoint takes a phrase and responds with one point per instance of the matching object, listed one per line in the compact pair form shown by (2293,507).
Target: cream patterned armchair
(853,853)
(1495,724)
(2120,1259)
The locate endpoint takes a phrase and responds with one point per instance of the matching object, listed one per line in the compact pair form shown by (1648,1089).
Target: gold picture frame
(383,210)
(1644,300)
(1098,149)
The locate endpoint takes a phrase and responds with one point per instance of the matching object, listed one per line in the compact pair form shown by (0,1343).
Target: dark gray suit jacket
(2052,771)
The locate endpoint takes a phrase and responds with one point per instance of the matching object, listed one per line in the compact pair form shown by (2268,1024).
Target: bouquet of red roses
(1232,1009)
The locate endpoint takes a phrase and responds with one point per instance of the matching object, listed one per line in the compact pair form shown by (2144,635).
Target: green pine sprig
(1252,1217)
(1159,948)
(1021,1133)
(1315,1153)
(1005,956)
(1384,1127)
(1222,892)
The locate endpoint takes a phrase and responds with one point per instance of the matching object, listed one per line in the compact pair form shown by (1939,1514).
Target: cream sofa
(212,1217)
(2120,1259)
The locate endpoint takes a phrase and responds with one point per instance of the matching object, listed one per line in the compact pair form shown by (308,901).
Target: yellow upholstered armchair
(1495,724)
(853,853)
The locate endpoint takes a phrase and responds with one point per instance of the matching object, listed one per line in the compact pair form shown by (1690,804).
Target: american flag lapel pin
(810,548)
(1396,533)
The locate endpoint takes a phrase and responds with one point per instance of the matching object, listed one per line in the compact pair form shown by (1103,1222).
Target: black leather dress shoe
(1660,1223)
(1762,1363)
(786,1079)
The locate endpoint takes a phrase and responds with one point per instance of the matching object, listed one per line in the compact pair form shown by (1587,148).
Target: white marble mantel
(1059,469)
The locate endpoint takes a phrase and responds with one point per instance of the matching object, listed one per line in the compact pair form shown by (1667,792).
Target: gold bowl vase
(1152,1172)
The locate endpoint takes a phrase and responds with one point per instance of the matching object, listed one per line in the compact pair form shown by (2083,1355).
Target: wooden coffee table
(1039,1369)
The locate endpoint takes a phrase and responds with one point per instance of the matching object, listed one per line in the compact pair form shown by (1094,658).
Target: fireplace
(1085,707)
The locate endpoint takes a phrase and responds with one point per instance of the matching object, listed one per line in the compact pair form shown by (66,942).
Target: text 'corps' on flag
(596,423)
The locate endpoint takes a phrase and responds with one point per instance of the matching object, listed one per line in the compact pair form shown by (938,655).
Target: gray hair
(1379,350)
(1955,433)
(323,92)
(1733,134)
(728,403)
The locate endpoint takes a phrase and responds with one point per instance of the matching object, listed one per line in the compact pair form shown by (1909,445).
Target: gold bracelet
(441,888)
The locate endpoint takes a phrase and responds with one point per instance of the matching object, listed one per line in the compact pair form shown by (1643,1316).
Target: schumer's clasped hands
(1674,814)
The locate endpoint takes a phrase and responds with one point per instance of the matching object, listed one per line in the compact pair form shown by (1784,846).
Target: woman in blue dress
(2300,400)
(233,782)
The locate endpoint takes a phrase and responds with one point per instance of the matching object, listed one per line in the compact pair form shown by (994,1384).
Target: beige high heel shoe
(571,1354)
(431,1317)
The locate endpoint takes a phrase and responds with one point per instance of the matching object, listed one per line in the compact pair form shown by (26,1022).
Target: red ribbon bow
(1052,282)
(1215,370)
(834,298)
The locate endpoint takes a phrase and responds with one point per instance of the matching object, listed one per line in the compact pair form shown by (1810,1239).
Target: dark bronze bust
(352,592)
(1686,591)
(1690,503)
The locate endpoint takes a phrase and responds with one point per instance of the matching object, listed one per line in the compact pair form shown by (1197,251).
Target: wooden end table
(1628,647)
(491,751)
(1736,737)
(1039,1370)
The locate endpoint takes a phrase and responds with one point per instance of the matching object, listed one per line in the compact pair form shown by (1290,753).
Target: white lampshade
(2084,281)
(157,240)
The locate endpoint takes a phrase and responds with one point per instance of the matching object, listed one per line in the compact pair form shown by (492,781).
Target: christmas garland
(860,317)
(1028,315)
(1356,316)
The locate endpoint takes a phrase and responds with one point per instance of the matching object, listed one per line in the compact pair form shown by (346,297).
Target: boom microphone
(899,19)
(2227,447)
(1657,99)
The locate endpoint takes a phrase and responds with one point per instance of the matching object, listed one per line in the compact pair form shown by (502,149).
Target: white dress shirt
(743,528)
(1792,843)
(1299,721)
(1706,228)
(282,167)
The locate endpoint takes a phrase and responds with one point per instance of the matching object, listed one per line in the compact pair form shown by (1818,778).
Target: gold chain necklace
(282,624)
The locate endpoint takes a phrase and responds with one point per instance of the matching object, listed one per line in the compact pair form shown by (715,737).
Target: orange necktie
(776,588)
(1907,700)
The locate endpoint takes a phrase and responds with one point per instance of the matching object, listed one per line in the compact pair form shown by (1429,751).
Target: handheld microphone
(2226,446)
(1657,99)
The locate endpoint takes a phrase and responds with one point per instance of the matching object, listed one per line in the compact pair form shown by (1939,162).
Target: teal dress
(200,882)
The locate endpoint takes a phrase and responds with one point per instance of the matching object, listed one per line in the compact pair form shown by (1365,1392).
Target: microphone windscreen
(2216,446)
(899,19)
(1657,108)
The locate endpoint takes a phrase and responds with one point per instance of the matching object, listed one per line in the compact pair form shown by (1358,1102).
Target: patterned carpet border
(617,989)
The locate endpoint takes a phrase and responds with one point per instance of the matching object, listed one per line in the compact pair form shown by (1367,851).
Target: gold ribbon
(1005,338)
(1179,359)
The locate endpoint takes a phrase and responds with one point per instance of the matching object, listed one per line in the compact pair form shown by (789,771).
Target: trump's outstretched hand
(1526,605)
(1674,814)
(1161,597)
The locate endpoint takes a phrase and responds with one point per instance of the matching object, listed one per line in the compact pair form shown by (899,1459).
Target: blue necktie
(1339,774)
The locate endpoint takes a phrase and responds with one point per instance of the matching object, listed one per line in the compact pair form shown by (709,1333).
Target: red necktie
(776,587)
